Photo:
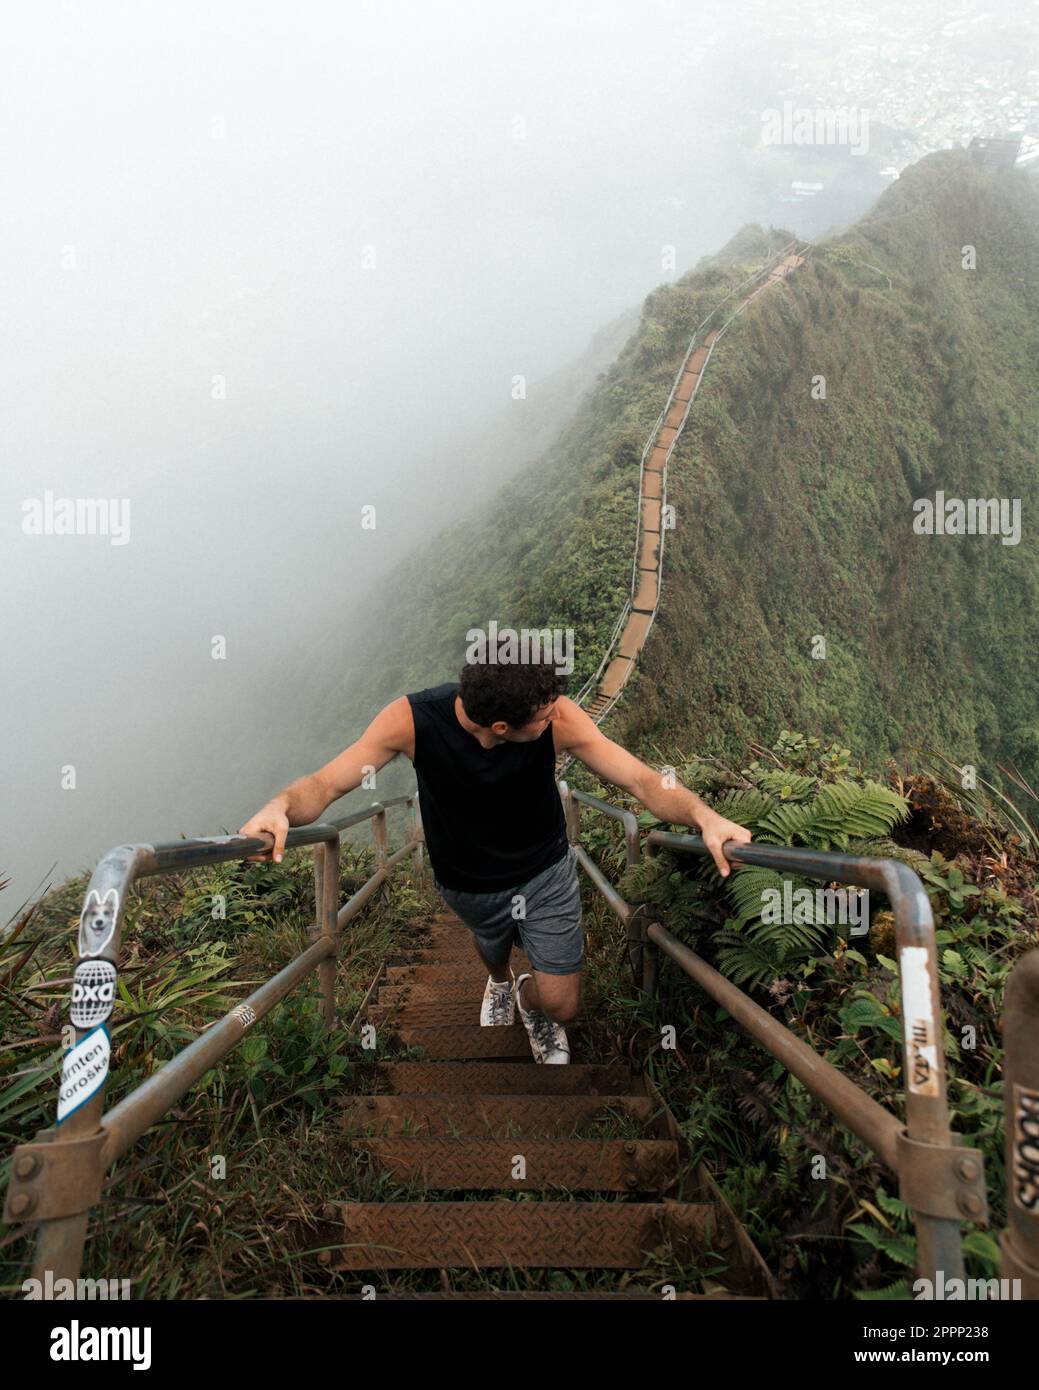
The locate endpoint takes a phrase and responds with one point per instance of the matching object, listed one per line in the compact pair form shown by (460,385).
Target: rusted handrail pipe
(627,818)
(927,1111)
(56,1179)
(864,1116)
(942,1184)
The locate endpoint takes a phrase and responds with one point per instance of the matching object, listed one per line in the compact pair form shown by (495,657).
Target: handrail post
(326,911)
(938,1238)
(418,863)
(941,1180)
(62,1200)
(1019,1243)
(381,836)
(643,955)
(571,813)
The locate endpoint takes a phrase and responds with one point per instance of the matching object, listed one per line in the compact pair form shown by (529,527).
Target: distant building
(995,154)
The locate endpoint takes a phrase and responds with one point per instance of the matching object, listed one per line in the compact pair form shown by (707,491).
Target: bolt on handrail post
(326,926)
(1019,1243)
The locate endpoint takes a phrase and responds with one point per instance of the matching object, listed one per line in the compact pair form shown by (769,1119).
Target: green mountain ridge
(794,515)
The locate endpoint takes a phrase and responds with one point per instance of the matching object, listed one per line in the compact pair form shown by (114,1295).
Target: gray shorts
(548,929)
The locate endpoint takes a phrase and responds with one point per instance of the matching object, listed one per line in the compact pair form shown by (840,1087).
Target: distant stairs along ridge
(602,691)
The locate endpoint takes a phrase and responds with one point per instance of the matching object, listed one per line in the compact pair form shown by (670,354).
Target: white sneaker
(498,1009)
(548,1040)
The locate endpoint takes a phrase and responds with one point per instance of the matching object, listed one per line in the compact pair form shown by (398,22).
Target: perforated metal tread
(476,1116)
(495,1235)
(524,1164)
(590,1080)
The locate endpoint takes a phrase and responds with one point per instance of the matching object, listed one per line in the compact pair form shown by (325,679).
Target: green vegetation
(794,515)
(794,521)
(168,1219)
(756,1127)
(554,547)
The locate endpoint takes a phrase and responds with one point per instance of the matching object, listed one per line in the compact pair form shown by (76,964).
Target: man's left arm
(575,732)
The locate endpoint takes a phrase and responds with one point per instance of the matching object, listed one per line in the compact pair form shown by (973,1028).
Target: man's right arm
(392,731)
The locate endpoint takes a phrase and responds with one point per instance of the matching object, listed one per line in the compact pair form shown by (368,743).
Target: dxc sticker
(1026,1148)
(97,922)
(93,992)
(83,1071)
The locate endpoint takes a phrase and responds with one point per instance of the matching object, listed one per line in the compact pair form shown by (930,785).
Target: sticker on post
(97,922)
(83,1071)
(1026,1149)
(93,993)
(921,1036)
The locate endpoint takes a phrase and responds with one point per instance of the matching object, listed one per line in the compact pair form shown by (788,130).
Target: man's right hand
(271,820)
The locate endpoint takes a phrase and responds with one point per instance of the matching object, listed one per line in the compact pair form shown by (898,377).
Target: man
(484,751)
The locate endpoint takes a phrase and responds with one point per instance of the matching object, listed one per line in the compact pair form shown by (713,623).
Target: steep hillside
(794,513)
(554,546)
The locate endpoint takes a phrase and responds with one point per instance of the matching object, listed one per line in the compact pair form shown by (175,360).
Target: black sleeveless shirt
(492,817)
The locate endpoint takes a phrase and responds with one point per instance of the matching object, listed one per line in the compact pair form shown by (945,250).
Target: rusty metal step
(454,992)
(447,992)
(486,1165)
(534,1235)
(459,958)
(441,951)
(429,1115)
(428,972)
(459,1040)
(494,1295)
(432,1013)
(499,1079)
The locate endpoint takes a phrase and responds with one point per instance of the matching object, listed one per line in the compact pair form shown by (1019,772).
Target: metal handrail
(939,1179)
(593,679)
(56,1179)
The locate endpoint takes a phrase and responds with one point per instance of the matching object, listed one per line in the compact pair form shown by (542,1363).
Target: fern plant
(793,808)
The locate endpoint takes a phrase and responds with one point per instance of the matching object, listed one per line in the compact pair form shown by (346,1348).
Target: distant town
(927,76)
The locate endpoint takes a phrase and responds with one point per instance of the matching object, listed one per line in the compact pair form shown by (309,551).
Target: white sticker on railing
(83,1071)
(920,1026)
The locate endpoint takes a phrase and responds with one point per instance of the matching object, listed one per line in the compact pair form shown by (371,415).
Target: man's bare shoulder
(394,726)
(572,725)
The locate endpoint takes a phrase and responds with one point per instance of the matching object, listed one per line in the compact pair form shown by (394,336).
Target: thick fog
(265,265)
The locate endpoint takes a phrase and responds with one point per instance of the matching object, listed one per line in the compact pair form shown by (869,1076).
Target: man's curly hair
(510,690)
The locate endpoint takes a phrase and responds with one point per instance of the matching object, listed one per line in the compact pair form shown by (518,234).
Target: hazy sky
(259,262)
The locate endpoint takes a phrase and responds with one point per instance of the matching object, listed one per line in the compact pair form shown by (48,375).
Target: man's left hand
(716,830)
